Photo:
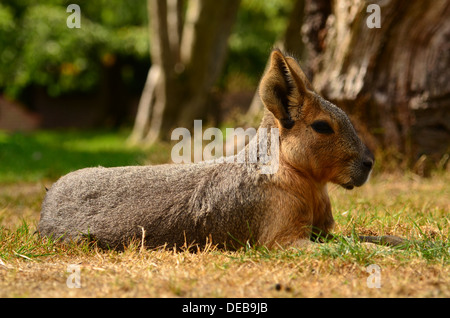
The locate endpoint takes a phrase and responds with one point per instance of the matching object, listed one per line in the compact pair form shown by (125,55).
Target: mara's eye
(322,127)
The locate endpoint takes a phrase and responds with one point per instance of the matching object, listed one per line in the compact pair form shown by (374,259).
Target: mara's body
(227,204)
(223,203)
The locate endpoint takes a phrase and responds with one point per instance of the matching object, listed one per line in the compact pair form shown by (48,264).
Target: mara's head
(316,137)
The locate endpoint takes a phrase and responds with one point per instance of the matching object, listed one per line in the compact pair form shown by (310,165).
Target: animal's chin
(348,186)
(354,183)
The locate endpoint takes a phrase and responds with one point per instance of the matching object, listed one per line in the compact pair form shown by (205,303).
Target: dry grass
(400,205)
(165,274)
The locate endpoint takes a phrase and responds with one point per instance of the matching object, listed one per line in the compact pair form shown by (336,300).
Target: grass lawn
(390,204)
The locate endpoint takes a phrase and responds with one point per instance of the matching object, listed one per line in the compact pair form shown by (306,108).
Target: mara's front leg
(387,240)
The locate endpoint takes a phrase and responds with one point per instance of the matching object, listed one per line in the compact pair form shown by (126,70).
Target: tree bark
(394,78)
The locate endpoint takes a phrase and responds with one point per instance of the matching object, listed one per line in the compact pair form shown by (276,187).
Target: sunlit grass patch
(50,154)
(21,242)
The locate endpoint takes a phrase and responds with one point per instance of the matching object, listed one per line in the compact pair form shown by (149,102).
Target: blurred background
(110,92)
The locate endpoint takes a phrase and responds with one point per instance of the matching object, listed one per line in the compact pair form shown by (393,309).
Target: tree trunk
(143,115)
(394,78)
(190,57)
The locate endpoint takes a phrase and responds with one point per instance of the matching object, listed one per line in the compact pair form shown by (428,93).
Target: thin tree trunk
(163,50)
(145,106)
(190,59)
(175,26)
(203,51)
(163,53)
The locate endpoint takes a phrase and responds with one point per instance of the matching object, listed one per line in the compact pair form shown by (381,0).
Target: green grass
(21,243)
(50,154)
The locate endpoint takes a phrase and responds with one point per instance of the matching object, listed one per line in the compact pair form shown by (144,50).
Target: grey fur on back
(173,204)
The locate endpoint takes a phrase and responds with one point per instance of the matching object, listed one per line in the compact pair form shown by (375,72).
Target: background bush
(37,47)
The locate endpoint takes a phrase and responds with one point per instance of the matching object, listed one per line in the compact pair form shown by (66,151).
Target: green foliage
(39,49)
(7,49)
(259,24)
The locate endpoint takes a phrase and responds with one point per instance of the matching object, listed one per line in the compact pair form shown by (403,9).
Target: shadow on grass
(49,155)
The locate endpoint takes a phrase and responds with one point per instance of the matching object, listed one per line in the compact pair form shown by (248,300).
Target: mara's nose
(368,163)
(368,159)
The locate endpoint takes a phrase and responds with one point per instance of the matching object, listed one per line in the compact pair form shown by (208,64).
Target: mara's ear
(284,85)
(298,73)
